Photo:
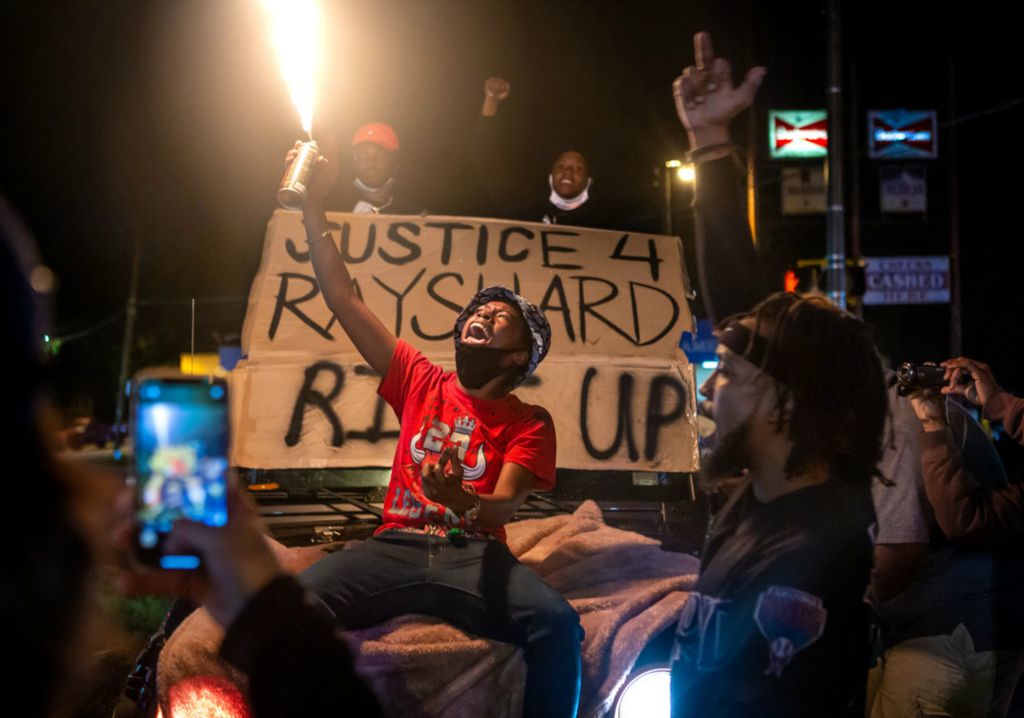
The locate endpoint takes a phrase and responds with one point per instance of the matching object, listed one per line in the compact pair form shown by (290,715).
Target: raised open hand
(705,98)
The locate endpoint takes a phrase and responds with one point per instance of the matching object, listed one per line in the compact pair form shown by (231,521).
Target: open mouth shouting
(477,332)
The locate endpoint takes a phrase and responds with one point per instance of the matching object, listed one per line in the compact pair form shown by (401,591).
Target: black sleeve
(296,662)
(729,267)
(510,196)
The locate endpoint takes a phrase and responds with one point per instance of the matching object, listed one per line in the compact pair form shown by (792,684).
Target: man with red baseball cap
(375,163)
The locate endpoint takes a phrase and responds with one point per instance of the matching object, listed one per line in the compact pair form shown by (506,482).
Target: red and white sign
(906,280)
(798,134)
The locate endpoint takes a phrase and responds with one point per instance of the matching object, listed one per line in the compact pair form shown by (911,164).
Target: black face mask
(477,365)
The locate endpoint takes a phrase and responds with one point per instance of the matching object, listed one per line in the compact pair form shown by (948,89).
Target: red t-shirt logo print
(439,435)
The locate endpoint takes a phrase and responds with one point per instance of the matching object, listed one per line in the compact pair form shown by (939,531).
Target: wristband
(326,234)
(698,154)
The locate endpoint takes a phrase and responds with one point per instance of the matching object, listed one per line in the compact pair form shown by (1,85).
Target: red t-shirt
(434,411)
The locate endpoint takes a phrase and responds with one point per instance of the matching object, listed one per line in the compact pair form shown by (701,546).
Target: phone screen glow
(181,445)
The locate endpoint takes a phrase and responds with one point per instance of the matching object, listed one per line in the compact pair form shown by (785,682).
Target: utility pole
(856,248)
(666,218)
(956,331)
(835,256)
(131,311)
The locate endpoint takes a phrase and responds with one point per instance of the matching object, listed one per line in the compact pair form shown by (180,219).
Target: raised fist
(496,88)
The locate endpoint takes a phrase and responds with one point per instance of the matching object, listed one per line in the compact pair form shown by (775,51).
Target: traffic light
(808,275)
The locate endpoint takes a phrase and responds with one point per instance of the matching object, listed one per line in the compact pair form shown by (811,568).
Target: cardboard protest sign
(620,392)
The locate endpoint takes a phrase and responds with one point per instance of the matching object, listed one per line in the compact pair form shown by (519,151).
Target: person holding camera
(968,512)
(934,600)
(946,589)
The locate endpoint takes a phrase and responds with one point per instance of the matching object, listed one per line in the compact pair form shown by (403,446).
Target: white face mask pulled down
(572,203)
(374,199)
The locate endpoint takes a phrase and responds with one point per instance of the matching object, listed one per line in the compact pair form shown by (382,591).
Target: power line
(982,113)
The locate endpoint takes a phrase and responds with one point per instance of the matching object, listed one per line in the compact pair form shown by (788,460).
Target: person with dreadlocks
(777,624)
(469,454)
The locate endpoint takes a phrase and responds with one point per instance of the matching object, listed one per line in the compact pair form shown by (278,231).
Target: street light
(684,172)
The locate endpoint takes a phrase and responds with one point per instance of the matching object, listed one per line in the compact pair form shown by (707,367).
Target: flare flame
(295,33)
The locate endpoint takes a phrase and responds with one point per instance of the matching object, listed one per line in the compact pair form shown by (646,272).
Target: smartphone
(180,463)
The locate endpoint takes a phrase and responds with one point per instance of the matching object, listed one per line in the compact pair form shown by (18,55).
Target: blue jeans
(476,585)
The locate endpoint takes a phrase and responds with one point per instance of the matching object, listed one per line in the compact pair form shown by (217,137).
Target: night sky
(167,122)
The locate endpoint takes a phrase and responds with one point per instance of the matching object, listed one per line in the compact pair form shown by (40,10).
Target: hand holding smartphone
(180,463)
(188,510)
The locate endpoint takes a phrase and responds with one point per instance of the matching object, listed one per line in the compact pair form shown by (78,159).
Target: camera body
(920,376)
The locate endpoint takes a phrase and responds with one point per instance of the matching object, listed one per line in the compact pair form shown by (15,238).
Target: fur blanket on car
(626,589)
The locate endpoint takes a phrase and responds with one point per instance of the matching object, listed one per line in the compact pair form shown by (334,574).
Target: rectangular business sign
(906,280)
(803,189)
(797,134)
(903,134)
(903,189)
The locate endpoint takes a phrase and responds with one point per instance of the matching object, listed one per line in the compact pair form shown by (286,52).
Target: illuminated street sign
(900,134)
(906,280)
(797,134)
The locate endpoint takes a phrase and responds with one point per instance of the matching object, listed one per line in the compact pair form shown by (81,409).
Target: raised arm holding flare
(731,276)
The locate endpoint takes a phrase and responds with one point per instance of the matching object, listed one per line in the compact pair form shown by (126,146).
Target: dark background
(166,123)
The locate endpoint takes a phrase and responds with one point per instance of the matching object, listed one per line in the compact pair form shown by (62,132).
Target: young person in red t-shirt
(469,453)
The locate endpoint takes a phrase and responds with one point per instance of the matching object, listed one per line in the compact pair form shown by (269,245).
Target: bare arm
(373,340)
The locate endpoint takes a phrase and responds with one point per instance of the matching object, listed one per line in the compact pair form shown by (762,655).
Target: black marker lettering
(481,246)
(371,239)
(400,297)
(292,305)
(624,426)
(656,417)
(432,292)
(587,307)
(652,255)
(648,310)
(547,248)
(308,396)
(396,236)
(446,240)
(375,433)
(563,306)
(503,253)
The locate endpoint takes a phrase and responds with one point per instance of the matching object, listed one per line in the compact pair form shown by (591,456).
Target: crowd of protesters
(854,507)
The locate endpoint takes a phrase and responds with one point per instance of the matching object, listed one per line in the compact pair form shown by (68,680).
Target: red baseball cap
(379,134)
